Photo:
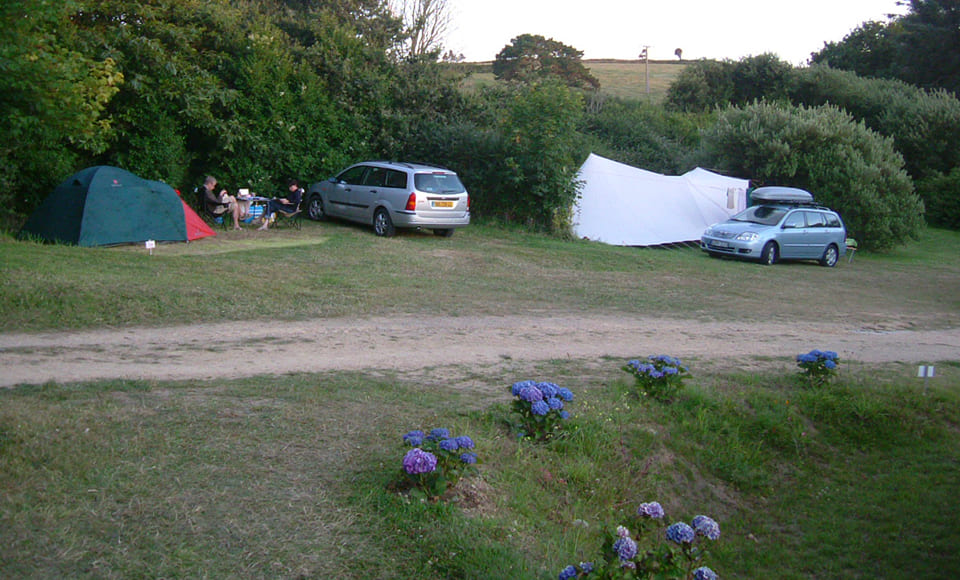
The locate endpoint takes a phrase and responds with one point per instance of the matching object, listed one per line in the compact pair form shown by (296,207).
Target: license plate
(442,204)
(721,244)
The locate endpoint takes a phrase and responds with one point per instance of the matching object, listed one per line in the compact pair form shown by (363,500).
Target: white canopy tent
(626,206)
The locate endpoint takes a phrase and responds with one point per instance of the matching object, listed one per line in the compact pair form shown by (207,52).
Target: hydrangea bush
(672,553)
(437,461)
(659,376)
(541,408)
(818,366)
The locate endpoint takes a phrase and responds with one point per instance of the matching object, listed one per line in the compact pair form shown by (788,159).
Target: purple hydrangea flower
(565,394)
(531,394)
(586,567)
(706,527)
(449,445)
(414,438)
(704,573)
(539,408)
(567,573)
(469,458)
(625,547)
(555,403)
(436,434)
(623,532)
(680,533)
(465,442)
(651,510)
(418,461)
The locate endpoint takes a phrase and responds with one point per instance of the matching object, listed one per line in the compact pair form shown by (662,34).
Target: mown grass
(334,270)
(290,476)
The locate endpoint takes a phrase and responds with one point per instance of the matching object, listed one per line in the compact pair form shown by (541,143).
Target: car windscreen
(761,214)
(438,183)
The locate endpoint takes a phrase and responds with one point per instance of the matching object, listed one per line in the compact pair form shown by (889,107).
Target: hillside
(618,78)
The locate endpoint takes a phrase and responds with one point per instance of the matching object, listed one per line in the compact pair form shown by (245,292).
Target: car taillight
(411,202)
(468,203)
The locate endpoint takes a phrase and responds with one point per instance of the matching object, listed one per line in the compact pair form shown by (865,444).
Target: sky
(619,29)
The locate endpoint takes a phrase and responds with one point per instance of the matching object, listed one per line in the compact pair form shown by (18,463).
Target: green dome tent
(102,206)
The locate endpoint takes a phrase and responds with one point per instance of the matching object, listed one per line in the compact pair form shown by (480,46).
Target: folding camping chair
(283,218)
(208,216)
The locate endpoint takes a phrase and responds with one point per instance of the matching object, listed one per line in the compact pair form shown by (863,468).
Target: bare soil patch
(458,344)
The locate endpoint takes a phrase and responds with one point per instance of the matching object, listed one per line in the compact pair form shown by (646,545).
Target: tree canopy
(921,47)
(531,57)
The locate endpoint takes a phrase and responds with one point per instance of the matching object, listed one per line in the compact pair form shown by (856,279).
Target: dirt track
(406,344)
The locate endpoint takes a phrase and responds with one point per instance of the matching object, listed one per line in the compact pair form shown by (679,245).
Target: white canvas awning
(627,206)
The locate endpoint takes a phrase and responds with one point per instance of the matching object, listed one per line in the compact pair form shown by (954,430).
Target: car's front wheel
(768,255)
(830,256)
(315,210)
(382,224)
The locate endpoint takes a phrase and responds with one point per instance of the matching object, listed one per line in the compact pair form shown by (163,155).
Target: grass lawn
(293,476)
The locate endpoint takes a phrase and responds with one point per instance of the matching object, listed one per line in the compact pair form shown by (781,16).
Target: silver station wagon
(390,195)
(785,225)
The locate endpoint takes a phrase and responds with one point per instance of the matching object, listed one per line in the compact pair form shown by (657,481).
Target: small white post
(926,372)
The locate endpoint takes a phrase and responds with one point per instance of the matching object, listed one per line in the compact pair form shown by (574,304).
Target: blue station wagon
(785,225)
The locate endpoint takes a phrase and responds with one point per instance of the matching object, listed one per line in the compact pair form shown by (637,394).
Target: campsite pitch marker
(150,244)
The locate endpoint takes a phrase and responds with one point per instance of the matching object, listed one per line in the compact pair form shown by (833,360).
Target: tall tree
(921,47)
(427,23)
(531,57)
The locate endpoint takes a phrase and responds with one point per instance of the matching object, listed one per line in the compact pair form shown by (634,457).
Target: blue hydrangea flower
(829,364)
(670,370)
(519,386)
(555,403)
(539,408)
(465,442)
(567,573)
(565,394)
(586,567)
(548,389)
(680,533)
(656,374)
(469,458)
(650,510)
(706,527)
(449,445)
(704,573)
(626,548)
(531,394)
(414,438)
(437,434)
(418,461)
(564,415)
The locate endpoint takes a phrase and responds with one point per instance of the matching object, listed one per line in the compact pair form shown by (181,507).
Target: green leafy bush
(845,165)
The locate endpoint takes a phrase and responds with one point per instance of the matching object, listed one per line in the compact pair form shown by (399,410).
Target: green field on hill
(618,78)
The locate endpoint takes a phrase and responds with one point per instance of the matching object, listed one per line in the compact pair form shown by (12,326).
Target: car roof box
(778,194)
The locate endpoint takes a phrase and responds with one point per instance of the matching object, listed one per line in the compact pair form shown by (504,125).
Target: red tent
(196,227)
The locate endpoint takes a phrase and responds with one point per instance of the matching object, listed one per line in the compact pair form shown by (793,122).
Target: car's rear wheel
(315,210)
(768,255)
(830,256)
(444,233)
(382,224)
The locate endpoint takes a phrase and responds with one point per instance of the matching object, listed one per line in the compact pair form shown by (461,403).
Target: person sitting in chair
(219,204)
(288,204)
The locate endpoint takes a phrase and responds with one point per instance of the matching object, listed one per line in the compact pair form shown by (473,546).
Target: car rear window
(438,183)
